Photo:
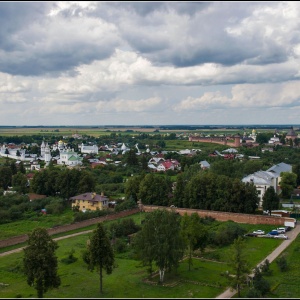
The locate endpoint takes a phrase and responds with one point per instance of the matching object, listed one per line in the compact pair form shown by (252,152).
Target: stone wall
(64,228)
(225,216)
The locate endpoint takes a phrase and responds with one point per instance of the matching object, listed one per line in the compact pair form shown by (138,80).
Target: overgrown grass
(25,226)
(204,280)
(285,284)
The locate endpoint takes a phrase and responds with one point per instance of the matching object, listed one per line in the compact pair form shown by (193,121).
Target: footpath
(229,293)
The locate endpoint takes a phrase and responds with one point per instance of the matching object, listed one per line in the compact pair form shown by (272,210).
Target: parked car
(281,230)
(268,235)
(251,234)
(273,232)
(281,236)
(259,231)
(288,228)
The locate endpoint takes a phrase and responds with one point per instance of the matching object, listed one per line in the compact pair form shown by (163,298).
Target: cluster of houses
(157,163)
(261,179)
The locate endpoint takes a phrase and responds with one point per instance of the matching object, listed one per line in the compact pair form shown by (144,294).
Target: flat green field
(205,279)
(107,130)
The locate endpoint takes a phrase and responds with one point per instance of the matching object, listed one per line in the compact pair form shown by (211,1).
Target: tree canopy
(160,241)
(270,200)
(100,253)
(40,262)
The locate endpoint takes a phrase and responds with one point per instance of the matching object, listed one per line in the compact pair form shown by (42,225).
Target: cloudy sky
(149,63)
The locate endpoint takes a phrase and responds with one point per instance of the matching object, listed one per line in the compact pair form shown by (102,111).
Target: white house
(264,179)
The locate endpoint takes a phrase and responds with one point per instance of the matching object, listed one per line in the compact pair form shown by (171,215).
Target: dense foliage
(40,262)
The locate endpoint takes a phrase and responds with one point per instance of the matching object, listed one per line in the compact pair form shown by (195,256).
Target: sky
(149,63)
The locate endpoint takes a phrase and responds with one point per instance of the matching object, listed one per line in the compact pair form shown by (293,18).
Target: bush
(70,258)
(81,216)
(253,293)
(282,263)
(123,228)
(265,268)
(262,285)
(127,204)
(120,245)
(225,234)
(54,208)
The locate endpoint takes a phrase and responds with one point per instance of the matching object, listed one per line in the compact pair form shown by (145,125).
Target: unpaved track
(56,239)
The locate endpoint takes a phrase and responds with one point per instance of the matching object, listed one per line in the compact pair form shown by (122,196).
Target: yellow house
(90,201)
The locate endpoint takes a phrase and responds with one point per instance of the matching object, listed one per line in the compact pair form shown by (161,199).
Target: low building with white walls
(89,149)
(69,157)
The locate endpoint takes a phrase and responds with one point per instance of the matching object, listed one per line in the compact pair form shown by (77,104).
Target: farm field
(107,130)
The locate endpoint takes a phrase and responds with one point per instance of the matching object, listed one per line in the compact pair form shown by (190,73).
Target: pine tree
(100,253)
(40,262)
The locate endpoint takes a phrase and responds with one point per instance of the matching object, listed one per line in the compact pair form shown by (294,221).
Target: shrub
(265,268)
(253,293)
(127,204)
(70,258)
(120,245)
(225,234)
(282,263)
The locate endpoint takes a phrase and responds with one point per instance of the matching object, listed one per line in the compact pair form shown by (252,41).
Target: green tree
(40,262)
(19,182)
(5,177)
(87,183)
(38,183)
(22,168)
(13,167)
(179,192)
(194,234)
(154,190)
(100,253)
(239,265)
(68,183)
(270,200)
(160,241)
(131,158)
(260,283)
(132,187)
(288,183)
(296,170)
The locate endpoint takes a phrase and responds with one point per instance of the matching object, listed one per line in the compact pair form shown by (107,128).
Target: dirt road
(56,239)
(272,256)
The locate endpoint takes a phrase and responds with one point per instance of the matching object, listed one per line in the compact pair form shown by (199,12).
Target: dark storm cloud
(15,17)
(201,36)
(33,43)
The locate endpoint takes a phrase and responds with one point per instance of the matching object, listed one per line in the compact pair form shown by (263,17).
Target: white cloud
(71,62)
(246,96)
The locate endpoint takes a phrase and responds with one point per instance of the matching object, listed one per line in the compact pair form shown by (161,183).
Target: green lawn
(205,279)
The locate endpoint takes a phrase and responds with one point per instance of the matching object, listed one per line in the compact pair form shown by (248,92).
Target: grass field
(107,130)
(205,279)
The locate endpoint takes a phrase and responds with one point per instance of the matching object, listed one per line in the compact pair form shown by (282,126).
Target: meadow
(130,279)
